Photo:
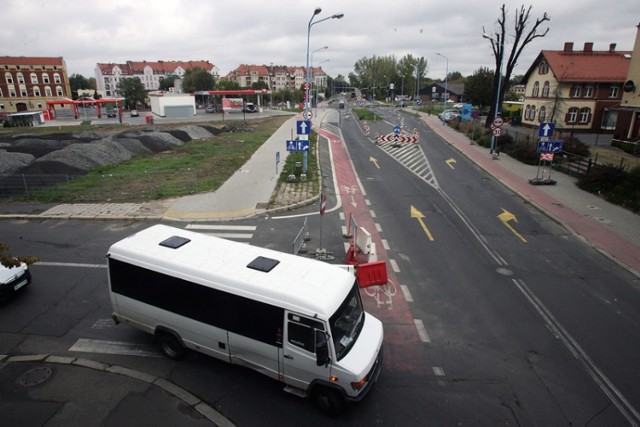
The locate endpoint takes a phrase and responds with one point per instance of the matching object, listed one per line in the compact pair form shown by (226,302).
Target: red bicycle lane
(402,340)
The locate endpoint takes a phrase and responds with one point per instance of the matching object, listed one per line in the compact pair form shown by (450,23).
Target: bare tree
(522,38)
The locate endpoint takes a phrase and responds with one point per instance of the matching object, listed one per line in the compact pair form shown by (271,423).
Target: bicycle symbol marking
(382,294)
(349,190)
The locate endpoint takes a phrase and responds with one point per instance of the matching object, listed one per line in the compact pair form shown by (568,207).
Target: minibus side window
(301,336)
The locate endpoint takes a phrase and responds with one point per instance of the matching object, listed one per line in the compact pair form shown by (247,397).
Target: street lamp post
(446,83)
(501,41)
(312,79)
(307,99)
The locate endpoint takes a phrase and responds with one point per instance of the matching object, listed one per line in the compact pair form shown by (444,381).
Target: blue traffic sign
(396,129)
(546,129)
(294,145)
(549,146)
(303,127)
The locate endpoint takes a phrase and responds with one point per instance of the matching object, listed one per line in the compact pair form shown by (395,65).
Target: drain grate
(35,376)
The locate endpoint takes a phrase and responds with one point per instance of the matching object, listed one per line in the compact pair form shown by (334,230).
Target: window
(47,92)
(572,115)
(59,91)
(536,89)
(45,78)
(23,91)
(613,92)
(588,91)
(545,90)
(36,91)
(542,114)
(56,78)
(301,331)
(532,113)
(243,316)
(576,90)
(12,92)
(8,78)
(585,115)
(20,77)
(34,79)
(543,68)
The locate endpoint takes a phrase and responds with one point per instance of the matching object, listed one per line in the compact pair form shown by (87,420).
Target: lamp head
(338,16)
(317,11)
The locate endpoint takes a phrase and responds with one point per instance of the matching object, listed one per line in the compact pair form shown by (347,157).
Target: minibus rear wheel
(170,346)
(329,401)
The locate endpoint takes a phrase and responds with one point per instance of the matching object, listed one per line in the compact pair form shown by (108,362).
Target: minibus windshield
(347,322)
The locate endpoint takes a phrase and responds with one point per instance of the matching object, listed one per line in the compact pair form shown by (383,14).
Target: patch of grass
(364,114)
(196,166)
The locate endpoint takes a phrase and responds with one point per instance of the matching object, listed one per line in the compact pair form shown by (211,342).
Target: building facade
(150,74)
(576,90)
(628,124)
(27,83)
(277,77)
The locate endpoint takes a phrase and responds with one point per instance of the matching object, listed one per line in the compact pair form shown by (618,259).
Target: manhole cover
(35,376)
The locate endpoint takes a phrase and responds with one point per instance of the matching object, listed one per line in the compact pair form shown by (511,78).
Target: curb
(189,399)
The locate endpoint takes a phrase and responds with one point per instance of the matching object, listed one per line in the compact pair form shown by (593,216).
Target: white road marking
(407,294)
(422,331)
(114,347)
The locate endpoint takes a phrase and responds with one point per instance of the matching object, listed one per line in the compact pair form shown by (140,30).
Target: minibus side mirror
(322,349)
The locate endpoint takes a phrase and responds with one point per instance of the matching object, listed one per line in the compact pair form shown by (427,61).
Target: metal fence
(69,188)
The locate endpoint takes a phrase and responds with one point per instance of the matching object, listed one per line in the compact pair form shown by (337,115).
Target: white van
(295,319)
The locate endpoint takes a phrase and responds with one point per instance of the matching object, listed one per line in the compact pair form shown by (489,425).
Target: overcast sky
(230,33)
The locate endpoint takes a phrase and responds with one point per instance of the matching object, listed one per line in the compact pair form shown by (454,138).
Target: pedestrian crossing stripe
(231,232)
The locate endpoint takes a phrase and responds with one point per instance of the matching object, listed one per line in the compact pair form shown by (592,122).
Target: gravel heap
(79,153)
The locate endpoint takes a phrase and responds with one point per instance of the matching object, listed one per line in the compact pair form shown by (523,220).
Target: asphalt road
(521,320)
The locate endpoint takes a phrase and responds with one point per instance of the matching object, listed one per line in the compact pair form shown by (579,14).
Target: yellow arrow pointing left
(415,213)
(450,162)
(506,217)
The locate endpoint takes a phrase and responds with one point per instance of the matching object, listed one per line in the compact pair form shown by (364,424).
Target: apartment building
(628,125)
(276,77)
(150,73)
(27,83)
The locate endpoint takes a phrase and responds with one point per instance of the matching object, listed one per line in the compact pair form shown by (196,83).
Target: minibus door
(299,351)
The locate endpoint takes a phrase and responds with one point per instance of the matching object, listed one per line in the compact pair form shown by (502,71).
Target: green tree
(478,89)
(167,82)
(76,82)
(133,91)
(259,85)
(197,79)
(228,85)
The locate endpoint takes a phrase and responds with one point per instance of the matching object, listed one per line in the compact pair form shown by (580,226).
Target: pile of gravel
(80,153)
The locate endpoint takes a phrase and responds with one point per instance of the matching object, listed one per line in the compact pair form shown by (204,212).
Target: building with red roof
(628,125)
(150,73)
(27,83)
(578,90)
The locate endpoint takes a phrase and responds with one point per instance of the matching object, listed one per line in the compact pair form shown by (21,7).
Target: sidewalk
(612,230)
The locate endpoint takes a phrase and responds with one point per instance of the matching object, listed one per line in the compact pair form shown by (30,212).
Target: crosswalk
(413,158)
(239,233)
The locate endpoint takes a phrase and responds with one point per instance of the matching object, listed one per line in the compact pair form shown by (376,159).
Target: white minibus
(297,320)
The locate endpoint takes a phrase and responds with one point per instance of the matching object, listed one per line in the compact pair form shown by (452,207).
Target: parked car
(449,114)
(210,109)
(249,108)
(111,112)
(12,279)
(134,113)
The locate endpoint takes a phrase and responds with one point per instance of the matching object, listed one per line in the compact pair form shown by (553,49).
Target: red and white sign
(392,137)
(497,131)
(498,121)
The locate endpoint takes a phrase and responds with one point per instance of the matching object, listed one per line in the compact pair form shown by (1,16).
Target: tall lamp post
(313,80)
(446,83)
(501,41)
(307,99)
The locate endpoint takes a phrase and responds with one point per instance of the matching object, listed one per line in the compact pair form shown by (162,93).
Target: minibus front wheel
(330,401)
(170,345)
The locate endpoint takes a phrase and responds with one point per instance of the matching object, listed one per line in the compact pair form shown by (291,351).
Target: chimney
(612,47)
(568,46)
(588,47)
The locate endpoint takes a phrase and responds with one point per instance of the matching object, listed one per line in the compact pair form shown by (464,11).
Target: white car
(12,279)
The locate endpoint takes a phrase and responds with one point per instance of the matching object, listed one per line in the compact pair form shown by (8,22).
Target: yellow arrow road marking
(374,161)
(450,162)
(507,216)
(415,213)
